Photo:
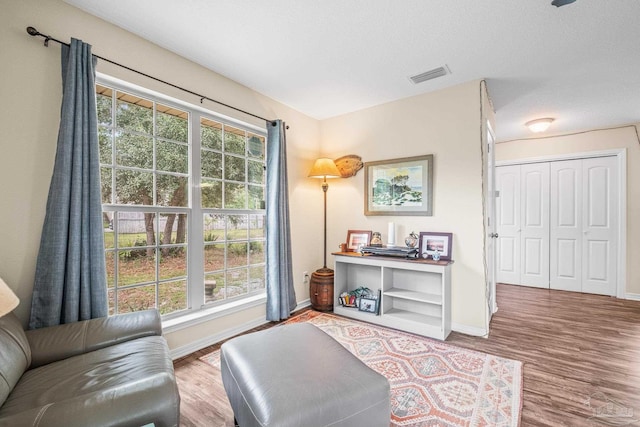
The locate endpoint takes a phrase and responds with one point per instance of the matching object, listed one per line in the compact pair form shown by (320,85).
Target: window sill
(207,314)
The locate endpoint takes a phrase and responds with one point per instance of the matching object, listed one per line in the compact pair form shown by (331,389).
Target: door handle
(493,235)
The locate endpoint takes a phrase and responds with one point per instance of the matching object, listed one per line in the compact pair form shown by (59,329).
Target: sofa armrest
(62,341)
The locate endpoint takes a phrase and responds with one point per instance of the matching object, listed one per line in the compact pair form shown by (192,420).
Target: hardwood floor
(574,346)
(581,355)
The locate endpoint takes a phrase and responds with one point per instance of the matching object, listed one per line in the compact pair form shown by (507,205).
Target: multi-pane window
(152,198)
(232,194)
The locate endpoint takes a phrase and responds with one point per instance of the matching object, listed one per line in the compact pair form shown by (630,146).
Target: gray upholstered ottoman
(297,375)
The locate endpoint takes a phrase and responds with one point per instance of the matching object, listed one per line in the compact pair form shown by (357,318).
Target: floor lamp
(321,283)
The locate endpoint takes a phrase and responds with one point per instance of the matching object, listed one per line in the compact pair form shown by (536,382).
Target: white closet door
(600,224)
(534,202)
(508,223)
(566,225)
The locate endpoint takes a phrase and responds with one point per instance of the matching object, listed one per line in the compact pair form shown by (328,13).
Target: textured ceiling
(579,63)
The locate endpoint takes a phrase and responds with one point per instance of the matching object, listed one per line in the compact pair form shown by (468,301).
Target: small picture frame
(368,304)
(357,238)
(431,241)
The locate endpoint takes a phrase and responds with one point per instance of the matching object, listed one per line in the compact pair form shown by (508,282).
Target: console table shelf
(415,294)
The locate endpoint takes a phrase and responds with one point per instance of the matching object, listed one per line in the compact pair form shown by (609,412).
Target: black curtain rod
(35,33)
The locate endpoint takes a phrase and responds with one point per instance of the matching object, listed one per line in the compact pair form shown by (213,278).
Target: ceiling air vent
(428,75)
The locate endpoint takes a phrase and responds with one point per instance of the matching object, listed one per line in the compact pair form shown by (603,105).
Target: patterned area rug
(432,383)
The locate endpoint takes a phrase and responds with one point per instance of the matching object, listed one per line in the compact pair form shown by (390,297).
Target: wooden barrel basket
(321,289)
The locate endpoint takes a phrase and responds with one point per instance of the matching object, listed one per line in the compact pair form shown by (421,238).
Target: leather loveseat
(112,371)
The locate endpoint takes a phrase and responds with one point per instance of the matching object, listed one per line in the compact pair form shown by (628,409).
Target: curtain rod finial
(275,123)
(33,32)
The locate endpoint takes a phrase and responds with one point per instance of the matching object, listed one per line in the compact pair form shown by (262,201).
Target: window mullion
(196,229)
(155,149)
(246,177)
(156,220)
(223,176)
(114,125)
(116,261)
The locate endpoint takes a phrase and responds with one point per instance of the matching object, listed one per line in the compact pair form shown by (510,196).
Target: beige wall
(597,140)
(446,124)
(30,85)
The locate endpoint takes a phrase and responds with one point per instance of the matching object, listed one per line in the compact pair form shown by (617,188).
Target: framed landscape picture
(430,242)
(399,186)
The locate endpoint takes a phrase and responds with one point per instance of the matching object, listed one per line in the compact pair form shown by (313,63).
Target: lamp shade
(539,125)
(324,168)
(8,300)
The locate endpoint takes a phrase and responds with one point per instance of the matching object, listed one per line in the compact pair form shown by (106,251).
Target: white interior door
(508,224)
(566,225)
(492,234)
(600,224)
(534,201)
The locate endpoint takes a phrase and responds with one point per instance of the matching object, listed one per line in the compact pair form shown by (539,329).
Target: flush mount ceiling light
(539,125)
(558,3)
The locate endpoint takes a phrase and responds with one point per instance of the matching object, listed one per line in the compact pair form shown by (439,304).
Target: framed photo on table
(357,238)
(430,242)
(368,304)
(399,186)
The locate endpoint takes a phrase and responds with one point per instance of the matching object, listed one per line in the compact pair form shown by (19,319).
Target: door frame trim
(491,199)
(621,155)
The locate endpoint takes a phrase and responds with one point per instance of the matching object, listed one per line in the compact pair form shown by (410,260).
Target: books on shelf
(347,300)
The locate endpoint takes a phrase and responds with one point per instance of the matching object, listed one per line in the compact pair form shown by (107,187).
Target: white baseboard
(226,334)
(212,339)
(634,297)
(302,304)
(469,330)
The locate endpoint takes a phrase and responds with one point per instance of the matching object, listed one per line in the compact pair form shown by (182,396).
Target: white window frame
(197,310)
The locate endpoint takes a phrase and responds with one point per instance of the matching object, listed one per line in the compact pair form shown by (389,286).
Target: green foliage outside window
(144,156)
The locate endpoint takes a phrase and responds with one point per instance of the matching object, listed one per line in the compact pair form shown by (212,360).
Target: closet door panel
(600,231)
(565,269)
(508,224)
(533,249)
(534,256)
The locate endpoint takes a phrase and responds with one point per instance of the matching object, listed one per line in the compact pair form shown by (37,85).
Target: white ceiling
(579,63)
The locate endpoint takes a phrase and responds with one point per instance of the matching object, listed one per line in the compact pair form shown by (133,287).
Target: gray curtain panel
(70,283)
(281,296)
